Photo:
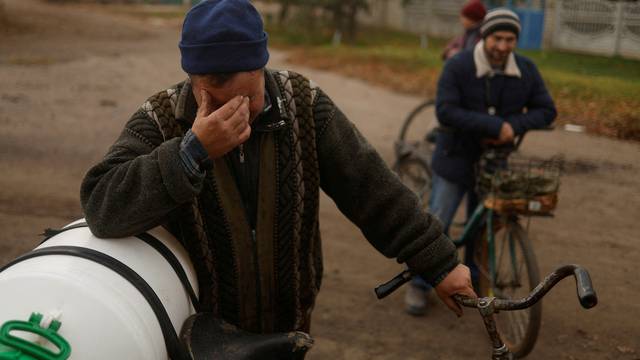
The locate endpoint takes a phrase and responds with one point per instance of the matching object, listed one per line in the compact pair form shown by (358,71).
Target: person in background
(485,98)
(471,17)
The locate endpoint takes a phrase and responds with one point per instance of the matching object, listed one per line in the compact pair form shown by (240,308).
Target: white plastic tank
(103,315)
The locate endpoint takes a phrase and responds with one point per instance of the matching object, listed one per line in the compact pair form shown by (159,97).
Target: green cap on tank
(16,348)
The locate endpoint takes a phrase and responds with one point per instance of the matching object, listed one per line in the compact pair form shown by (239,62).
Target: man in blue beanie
(485,97)
(232,160)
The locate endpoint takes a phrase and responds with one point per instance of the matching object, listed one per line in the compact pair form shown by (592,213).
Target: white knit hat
(500,19)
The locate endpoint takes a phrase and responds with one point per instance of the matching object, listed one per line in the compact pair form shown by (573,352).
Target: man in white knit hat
(485,97)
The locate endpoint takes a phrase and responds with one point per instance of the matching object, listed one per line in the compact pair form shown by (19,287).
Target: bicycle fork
(487,311)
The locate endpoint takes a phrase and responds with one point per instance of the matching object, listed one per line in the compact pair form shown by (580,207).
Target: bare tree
(345,15)
(285,6)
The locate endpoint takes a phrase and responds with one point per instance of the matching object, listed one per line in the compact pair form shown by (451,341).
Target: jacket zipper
(258,279)
(241,153)
(256,262)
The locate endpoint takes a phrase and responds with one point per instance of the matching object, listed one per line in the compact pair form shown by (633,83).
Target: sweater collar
(483,67)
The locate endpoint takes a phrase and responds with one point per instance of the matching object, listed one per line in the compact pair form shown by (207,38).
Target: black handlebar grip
(392,285)
(586,293)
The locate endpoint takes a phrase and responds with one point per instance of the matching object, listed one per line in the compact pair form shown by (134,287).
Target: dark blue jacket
(462,109)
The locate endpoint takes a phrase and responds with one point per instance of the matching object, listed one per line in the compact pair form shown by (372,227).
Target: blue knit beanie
(222,36)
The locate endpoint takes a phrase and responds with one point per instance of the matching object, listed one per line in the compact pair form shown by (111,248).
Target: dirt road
(71,75)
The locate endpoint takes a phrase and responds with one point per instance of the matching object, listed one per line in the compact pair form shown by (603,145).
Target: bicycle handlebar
(586,293)
(520,138)
(392,285)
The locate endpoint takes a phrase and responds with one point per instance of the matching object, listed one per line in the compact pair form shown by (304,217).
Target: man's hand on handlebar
(458,281)
(506,135)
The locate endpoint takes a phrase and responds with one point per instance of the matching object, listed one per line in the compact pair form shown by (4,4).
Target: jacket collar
(273,118)
(483,67)
(186,106)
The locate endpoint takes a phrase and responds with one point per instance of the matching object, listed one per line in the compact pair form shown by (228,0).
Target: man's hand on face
(506,135)
(457,282)
(222,130)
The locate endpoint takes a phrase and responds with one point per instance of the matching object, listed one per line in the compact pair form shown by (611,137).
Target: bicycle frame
(474,223)
(482,214)
(487,309)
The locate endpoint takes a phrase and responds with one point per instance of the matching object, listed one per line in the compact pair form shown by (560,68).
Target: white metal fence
(598,26)
(595,26)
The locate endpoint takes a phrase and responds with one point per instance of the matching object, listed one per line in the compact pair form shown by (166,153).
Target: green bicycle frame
(481,215)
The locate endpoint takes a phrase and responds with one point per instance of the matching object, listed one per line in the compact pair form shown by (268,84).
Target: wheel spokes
(510,283)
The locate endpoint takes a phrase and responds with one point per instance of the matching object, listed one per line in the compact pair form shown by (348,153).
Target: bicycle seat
(207,337)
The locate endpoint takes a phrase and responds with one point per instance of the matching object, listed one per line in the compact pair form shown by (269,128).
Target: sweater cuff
(450,265)
(180,186)
(435,261)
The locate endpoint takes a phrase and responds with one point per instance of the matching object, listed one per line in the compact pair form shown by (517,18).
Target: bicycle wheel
(516,274)
(414,172)
(419,122)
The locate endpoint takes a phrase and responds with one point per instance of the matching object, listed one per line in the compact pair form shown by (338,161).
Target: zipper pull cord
(241,148)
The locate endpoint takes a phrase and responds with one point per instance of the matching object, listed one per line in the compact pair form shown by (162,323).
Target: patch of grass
(597,92)
(586,65)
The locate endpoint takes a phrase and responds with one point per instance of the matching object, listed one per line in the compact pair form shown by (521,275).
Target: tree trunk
(284,12)
(338,18)
(352,23)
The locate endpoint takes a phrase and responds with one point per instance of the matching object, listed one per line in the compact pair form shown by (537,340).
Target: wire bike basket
(514,184)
